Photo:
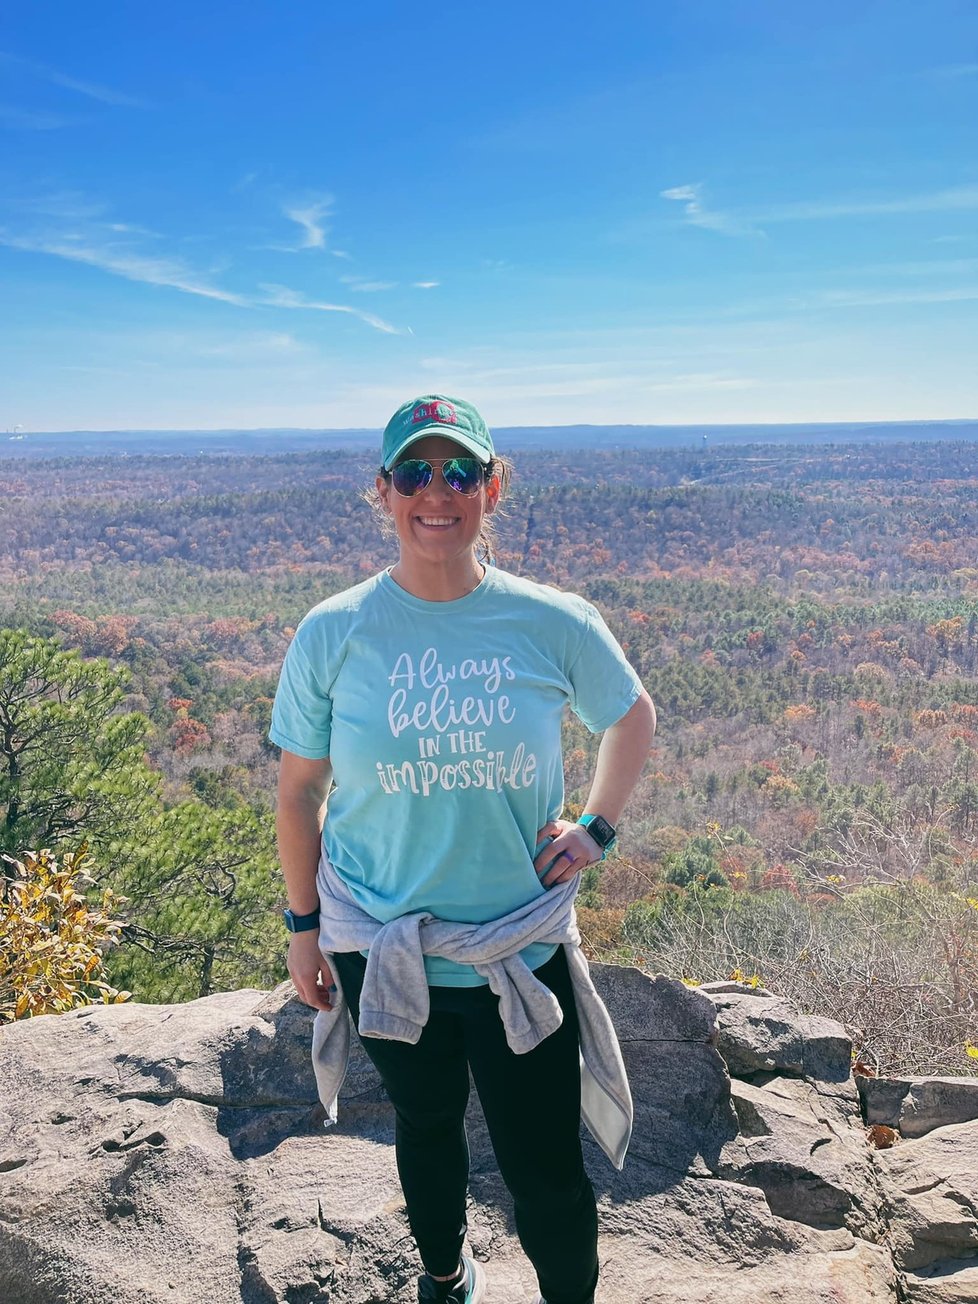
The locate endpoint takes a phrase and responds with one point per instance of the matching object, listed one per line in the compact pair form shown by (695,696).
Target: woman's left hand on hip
(569,850)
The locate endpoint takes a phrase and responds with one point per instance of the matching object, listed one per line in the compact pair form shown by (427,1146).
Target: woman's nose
(438,486)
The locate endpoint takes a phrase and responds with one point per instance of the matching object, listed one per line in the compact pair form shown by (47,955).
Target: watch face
(601,830)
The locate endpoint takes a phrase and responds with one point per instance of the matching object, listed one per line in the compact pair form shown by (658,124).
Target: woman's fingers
(563,867)
(570,849)
(310,972)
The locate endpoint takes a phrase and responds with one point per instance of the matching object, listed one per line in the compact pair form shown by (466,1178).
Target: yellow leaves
(799,712)
(971,1051)
(779,789)
(52,942)
(755,979)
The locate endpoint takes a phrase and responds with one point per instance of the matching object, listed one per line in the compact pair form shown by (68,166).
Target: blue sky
(242,215)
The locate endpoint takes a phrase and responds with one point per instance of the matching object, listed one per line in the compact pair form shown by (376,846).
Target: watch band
(300,923)
(599,829)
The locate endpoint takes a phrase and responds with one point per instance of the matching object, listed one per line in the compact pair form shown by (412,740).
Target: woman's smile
(438,522)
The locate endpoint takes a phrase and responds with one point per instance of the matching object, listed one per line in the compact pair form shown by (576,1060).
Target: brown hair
(498,466)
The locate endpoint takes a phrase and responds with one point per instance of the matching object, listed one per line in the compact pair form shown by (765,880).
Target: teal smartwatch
(300,923)
(598,828)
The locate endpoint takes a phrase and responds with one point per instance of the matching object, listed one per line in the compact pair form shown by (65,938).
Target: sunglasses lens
(411,477)
(464,474)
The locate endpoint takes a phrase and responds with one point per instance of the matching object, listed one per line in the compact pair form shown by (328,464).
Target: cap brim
(450,432)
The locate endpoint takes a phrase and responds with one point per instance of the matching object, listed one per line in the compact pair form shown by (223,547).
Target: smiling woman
(416,472)
(431,698)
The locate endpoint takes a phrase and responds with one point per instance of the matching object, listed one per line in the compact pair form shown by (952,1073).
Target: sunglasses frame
(441,463)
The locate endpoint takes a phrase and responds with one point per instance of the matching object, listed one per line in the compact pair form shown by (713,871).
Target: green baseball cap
(435,414)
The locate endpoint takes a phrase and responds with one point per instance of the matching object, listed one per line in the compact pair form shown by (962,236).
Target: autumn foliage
(52,941)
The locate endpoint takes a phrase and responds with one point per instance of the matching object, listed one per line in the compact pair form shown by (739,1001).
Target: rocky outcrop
(915,1106)
(177,1153)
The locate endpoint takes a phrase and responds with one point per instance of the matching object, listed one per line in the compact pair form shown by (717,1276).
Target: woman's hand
(570,849)
(309,971)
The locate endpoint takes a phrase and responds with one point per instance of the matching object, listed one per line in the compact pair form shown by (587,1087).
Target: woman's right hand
(309,971)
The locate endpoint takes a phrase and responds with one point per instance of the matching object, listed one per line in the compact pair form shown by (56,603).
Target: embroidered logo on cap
(442,412)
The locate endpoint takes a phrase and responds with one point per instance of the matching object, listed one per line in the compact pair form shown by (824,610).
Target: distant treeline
(861,519)
(190,443)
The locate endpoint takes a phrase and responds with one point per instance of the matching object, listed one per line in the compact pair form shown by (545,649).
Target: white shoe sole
(478,1273)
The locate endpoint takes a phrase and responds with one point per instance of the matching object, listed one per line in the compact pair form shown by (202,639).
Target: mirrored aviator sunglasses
(463,474)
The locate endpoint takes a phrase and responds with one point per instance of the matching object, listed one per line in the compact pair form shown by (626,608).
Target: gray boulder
(931,1188)
(807,1155)
(764,1034)
(915,1106)
(177,1153)
(945,1282)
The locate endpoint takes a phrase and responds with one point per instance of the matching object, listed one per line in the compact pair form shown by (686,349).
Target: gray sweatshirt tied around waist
(394,1001)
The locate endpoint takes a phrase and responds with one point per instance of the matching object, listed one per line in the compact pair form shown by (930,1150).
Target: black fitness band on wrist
(300,923)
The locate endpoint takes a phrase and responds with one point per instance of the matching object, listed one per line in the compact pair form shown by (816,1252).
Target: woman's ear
(493,489)
(384,492)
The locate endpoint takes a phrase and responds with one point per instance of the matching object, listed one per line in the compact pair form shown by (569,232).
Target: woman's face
(438,525)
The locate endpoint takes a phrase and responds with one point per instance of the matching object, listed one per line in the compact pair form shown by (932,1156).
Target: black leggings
(532,1106)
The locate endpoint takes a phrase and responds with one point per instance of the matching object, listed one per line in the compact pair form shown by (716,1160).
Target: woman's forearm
(299,822)
(622,754)
(303,786)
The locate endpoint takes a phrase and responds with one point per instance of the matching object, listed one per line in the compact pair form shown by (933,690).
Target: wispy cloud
(752,221)
(93,91)
(425,285)
(951,71)
(362,286)
(582,376)
(78,247)
(279,296)
(33,120)
(927,267)
(130,228)
(310,216)
(953,199)
(64,205)
(883,298)
(696,212)
(255,346)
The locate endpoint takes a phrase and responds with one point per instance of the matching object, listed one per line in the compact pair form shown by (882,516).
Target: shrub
(897,964)
(51,941)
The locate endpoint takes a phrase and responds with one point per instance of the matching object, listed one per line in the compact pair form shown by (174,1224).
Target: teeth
(437,520)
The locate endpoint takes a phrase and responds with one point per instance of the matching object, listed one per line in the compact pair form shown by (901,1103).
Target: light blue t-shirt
(442,721)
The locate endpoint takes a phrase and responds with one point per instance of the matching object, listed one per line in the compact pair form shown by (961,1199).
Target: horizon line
(19,433)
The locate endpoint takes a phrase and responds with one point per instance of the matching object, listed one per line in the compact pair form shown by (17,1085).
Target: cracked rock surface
(155,1153)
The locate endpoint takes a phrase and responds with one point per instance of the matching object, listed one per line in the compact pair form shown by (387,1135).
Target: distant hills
(90,443)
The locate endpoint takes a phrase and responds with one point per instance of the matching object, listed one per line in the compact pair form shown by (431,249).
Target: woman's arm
(622,753)
(303,786)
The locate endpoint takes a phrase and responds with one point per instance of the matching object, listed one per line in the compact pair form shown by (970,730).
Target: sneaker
(469,1289)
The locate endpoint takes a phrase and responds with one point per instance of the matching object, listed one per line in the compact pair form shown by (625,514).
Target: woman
(431,697)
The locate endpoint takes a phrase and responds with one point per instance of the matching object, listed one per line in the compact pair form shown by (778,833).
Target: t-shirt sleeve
(302,711)
(603,683)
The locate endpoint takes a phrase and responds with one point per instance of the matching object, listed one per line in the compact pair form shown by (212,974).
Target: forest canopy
(805,618)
